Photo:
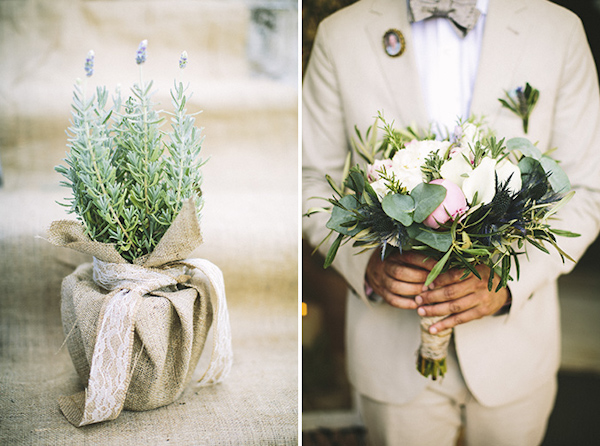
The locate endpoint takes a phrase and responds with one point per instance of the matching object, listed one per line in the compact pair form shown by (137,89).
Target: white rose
(482,180)
(406,167)
(504,170)
(407,158)
(407,162)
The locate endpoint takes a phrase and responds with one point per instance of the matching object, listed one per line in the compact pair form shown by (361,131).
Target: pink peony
(453,205)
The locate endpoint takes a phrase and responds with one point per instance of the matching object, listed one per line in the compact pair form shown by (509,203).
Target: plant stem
(101,182)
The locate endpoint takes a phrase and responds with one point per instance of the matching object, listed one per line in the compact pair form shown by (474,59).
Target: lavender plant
(128,178)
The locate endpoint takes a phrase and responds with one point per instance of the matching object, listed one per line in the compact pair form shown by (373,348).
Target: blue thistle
(140,56)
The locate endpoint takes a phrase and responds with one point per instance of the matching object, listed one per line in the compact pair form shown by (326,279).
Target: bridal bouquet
(469,200)
(136,320)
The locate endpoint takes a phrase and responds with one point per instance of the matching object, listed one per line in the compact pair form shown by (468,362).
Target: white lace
(222,355)
(110,372)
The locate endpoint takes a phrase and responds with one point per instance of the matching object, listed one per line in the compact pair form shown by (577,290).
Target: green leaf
(524,146)
(440,241)
(564,233)
(333,185)
(356,180)
(476,252)
(491,279)
(564,200)
(343,216)
(558,178)
(507,105)
(399,207)
(427,198)
(538,245)
(437,269)
(528,165)
(315,210)
(333,249)
(468,265)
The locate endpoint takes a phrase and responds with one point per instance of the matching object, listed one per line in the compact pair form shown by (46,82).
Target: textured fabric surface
(249,221)
(167,332)
(257,404)
(128,322)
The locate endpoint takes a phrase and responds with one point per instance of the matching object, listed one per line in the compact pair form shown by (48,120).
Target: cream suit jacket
(350,78)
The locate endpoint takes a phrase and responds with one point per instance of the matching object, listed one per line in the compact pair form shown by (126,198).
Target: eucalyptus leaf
(440,241)
(399,207)
(427,199)
(528,165)
(524,146)
(557,178)
(343,216)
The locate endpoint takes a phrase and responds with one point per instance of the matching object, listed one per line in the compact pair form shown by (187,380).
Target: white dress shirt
(447,67)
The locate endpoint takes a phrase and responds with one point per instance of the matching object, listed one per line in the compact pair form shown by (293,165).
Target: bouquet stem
(433,349)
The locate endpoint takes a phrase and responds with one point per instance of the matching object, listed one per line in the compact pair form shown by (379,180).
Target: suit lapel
(400,73)
(501,52)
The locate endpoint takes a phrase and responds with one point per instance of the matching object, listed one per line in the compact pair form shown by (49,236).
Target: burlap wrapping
(135,333)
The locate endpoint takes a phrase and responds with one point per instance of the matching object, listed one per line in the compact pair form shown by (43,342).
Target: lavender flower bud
(183,60)
(89,63)
(140,56)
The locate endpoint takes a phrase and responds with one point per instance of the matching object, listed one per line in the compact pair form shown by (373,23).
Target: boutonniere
(521,101)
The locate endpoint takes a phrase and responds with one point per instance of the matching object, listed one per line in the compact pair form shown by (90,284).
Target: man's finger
(415,259)
(406,273)
(404,303)
(447,293)
(448,308)
(456,319)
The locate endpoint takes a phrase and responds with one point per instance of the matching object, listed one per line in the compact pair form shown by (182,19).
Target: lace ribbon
(110,372)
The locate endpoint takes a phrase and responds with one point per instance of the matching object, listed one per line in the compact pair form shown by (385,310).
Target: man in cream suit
(501,378)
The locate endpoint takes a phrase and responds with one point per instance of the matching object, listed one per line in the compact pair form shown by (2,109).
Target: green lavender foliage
(129,179)
(183,166)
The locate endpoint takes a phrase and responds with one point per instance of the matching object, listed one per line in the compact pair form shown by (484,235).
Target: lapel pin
(393,43)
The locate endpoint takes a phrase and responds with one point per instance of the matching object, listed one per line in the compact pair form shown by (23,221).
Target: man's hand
(399,277)
(462,300)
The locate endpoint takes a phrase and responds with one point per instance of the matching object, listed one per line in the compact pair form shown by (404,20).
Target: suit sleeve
(576,135)
(325,147)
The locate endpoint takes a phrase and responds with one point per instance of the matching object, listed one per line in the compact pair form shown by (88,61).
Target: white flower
(379,167)
(505,170)
(481,181)
(380,188)
(456,169)
(425,147)
(470,135)
(407,162)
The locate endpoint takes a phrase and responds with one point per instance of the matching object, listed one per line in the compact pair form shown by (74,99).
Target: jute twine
(434,346)
(135,332)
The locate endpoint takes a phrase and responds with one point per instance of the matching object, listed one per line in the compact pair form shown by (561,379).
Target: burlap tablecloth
(256,405)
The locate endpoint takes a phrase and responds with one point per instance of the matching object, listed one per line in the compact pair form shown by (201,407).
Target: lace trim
(110,372)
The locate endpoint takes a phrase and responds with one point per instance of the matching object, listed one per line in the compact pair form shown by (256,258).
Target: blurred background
(243,72)
(328,413)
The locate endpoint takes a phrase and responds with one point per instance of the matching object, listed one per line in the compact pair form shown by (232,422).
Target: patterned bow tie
(463,14)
